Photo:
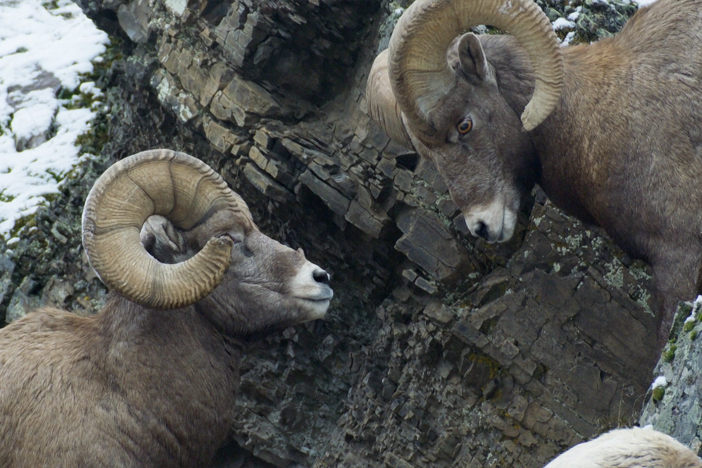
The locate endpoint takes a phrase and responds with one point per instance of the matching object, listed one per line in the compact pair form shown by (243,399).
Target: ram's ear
(161,239)
(382,106)
(472,59)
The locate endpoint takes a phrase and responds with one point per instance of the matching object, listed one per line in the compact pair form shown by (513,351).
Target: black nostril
(321,276)
(482,230)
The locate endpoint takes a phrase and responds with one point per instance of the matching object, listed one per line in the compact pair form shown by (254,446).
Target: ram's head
(439,91)
(164,230)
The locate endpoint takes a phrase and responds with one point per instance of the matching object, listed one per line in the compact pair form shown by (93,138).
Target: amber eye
(465,126)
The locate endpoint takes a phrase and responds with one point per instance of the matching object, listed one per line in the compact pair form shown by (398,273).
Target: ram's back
(72,394)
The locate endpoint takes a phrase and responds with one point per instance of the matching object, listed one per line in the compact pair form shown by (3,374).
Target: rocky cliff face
(439,349)
(673,405)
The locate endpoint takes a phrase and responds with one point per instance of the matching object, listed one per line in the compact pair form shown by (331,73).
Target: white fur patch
(315,295)
(628,448)
(499,219)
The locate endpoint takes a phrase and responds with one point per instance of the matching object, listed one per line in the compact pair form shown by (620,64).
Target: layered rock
(439,349)
(673,401)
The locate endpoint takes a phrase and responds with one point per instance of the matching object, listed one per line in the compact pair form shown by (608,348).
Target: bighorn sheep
(136,384)
(629,448)
(612,131)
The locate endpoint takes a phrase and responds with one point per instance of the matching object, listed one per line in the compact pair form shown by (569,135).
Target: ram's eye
(465,126)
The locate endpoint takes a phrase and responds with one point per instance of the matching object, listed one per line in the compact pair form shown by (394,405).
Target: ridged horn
(158,182)
(420,74)
(382,104)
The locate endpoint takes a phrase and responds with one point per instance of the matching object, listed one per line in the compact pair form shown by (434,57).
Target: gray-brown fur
(622,149)
(133,386)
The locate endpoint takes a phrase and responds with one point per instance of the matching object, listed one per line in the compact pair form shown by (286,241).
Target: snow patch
(576,14)
(43,49)
(34,114)
(562,23)
(660,381)
(568,39)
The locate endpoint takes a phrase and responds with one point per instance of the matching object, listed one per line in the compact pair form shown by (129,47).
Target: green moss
(488,326)
(50,5)
(669,354)
(65,94)
(693,335)
(539,372)
(685,308)
(488,362)
(92,141)
(689,326)
(25,223)
(658,394)
(21,224)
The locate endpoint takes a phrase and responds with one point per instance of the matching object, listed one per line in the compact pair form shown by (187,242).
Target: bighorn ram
(629,448)
(151,379)
(612,131)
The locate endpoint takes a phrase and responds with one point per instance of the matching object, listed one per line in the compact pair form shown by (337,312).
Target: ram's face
(267,284)
(482,153)
(438,90)
(165,231)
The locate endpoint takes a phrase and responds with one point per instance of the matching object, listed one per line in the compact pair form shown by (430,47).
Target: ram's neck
(173,373)
(568,140)
(576,141)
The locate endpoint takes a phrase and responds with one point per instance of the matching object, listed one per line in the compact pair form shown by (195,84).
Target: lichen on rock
(439,349)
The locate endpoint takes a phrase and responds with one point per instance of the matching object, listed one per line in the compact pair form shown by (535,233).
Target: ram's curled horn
(419,70)
(158,182)
(382,106)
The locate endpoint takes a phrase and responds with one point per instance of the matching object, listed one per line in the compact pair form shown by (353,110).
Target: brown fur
(132,386)
(128,387)
(623,149)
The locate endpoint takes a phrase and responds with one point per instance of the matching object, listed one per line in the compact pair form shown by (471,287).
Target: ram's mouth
(325,295)
(316,305)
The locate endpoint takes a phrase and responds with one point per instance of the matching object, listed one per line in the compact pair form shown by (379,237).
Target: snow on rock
(562,23)
(660,381)
(568,39)
(43,49)
(32,120)
(679,414)
(697,304)
(576,14)
(644,3)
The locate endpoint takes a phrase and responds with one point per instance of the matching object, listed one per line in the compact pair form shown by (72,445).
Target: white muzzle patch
(494,222)
(311,286)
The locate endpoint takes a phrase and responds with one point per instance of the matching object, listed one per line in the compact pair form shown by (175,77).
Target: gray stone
(367,220)
(258,157)
(544,323)
(679,412)
(426,285)
(439,312)
(221,138)
(134,20)
(7,267)
(331,197)
(427,243)
(22,300)
(251,98)
(56,292)
(266,185)
(178,101)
